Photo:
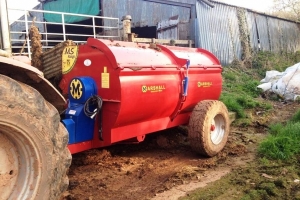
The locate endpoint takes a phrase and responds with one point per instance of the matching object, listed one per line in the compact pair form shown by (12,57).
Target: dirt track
(164,166)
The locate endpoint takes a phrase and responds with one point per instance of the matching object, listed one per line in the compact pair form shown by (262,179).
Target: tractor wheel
(34,158)
(209,127)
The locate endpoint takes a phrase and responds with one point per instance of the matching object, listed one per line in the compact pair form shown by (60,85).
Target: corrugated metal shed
(217,31)
(290,36)
(252,29)
(168,29)
(275,33)
(146,12)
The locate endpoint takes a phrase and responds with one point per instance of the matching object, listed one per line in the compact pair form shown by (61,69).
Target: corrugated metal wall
(263,32)
(218,30)
(275,35)
(290,36)
(184,31)
(168,29)
(252,30)
(143,12)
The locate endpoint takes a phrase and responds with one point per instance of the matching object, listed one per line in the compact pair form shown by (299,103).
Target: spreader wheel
(34,157)
(209,127)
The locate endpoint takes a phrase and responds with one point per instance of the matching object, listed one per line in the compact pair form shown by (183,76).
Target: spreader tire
(34,158)
(209,127)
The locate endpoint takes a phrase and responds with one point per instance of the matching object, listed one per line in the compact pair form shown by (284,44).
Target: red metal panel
(142,86)
(79,147)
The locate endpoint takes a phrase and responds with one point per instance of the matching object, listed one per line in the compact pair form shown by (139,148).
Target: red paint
(83,146)
(212,128)
(145,86)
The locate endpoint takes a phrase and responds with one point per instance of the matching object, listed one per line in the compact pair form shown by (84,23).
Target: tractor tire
(34,157)
(209,127)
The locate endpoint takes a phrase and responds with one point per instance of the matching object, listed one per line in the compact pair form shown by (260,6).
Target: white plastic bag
(286,84)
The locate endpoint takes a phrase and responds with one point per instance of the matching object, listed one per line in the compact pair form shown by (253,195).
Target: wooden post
(190,43)
(126,27)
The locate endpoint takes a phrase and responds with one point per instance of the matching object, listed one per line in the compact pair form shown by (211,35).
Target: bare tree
(289,9)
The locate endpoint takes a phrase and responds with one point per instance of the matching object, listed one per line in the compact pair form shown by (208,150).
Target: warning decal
(105,78)
(69,57)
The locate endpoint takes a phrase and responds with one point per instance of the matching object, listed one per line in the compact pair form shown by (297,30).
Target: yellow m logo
(76,89)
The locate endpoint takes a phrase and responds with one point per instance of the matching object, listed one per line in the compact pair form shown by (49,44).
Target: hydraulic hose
(93,101)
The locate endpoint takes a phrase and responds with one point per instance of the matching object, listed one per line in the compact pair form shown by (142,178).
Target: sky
(19,4)
(258,5)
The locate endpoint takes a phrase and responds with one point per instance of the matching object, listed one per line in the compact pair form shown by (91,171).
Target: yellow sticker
(69,57)
(153,88)
(76,89)
(204,84)
(105,79)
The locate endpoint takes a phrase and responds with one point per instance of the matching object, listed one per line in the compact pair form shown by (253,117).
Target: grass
(240,90)
(249,184)
(272,61)
(296,117)
(284,140)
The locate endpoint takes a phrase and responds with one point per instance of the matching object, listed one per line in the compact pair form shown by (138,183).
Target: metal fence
(58,32)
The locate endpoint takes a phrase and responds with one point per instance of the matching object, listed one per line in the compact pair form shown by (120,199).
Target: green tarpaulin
(90,7)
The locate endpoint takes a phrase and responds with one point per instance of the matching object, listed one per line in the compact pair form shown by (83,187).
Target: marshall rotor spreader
(121,91)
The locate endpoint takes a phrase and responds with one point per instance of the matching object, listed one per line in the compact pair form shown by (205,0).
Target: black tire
(33,145)
(209,127)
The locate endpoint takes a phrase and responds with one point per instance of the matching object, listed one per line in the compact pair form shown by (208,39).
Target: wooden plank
(163,41)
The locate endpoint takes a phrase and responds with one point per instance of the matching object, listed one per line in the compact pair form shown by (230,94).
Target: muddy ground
(164,166)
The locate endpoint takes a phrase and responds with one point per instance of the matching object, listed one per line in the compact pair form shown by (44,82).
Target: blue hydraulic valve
(186,79)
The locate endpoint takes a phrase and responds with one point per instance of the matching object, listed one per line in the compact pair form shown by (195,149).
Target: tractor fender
(33,77)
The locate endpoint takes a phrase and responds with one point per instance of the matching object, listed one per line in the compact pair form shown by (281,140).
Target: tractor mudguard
(31,76)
